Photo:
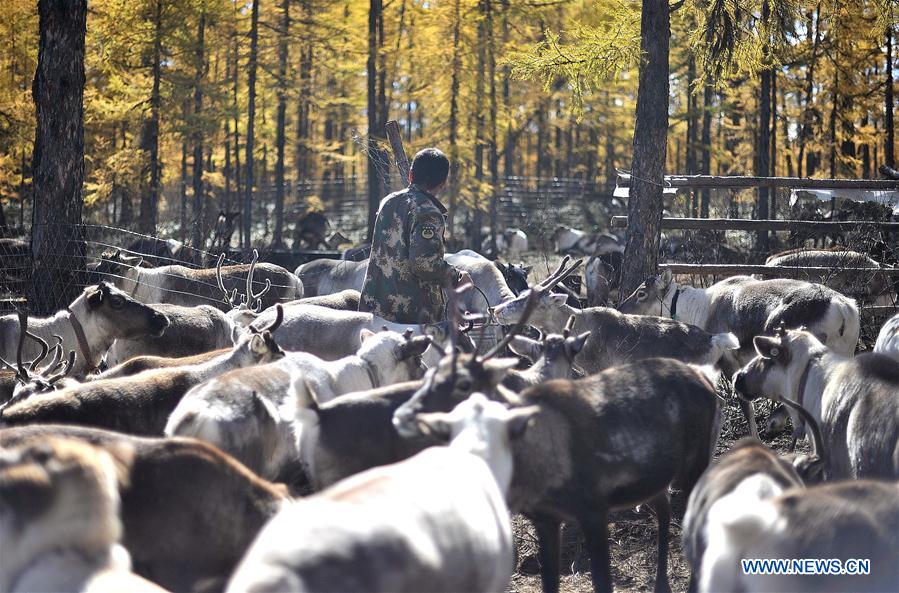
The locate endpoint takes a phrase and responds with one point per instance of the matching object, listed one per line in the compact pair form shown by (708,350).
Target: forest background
(181,95)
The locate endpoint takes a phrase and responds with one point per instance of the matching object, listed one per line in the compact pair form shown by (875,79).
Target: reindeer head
(649,298)
(397,357)
(258,343)
(116,314)
(777,369)
(30,376)
(546,304)
(481,427)
(458,376)
(558,351)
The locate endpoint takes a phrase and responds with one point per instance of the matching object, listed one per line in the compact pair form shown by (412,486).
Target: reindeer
(866,285)
(59,503)
(140,404)
(611,441)
(853,399)
(437,521)
(198,329)
(616,338)
(331,334)
(31,378)
(189,511)
(847,520)
(249,413)
(749,308)
(888,338)
(100,315)
(746,460)
(179,285)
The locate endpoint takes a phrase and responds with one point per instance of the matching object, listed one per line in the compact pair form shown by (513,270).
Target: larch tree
(57,241)
(251,123)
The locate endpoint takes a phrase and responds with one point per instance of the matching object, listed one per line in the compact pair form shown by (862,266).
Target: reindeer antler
(566,331)
(529,307)
(817,442)
(230,297)
(250,300)
(560,274)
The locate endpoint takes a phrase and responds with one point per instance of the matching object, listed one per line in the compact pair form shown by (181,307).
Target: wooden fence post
(399,153)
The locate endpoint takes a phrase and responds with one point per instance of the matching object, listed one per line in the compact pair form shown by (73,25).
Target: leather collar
(673,307)
(372,374)
(803,380)
(83,345)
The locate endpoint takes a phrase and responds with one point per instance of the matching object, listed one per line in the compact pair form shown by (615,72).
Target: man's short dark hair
(430,168)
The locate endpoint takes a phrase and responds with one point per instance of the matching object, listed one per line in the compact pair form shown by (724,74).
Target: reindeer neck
(687,304)
(557,317)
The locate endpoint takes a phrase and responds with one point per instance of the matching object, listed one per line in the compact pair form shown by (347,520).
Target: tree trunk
(479,140)
(454,116)
(183,189)
(277,240)
(832,126)
(251,120)
(645,204)
(692,132)
(492,153)
(197,231)
(235,115)
(57,241)
(813,33)
(374,180)
(763,144)
(889,149)
(149,202)
(773,149)
(705,196)
(301,152)
(509,142)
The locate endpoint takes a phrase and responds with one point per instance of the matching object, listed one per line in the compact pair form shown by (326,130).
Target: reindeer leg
(749,414)
(595,526)
(549,551)
(661,504)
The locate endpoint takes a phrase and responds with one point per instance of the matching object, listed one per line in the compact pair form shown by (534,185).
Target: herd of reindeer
(243,428)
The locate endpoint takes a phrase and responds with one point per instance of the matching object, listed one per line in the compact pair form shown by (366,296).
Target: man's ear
(410,177)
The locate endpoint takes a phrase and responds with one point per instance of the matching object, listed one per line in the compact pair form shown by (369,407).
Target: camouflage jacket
(406,271)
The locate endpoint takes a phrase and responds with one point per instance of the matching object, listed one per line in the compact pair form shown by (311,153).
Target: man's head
(430,169)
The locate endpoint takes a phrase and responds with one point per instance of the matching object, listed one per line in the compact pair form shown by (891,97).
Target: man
(406,271)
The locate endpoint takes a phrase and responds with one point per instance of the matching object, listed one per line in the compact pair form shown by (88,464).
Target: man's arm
(426,248)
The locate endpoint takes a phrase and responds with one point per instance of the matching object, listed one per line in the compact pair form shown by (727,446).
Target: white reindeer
(437,521)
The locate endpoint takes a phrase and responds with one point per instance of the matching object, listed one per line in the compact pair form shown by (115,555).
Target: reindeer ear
(767,347)
(498,367)
(365,334)
(414,347)
(94,297)
(664,279)
(435,425)
(519,419)
(258,345)
(576,344)
(524,346)
(557,300)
